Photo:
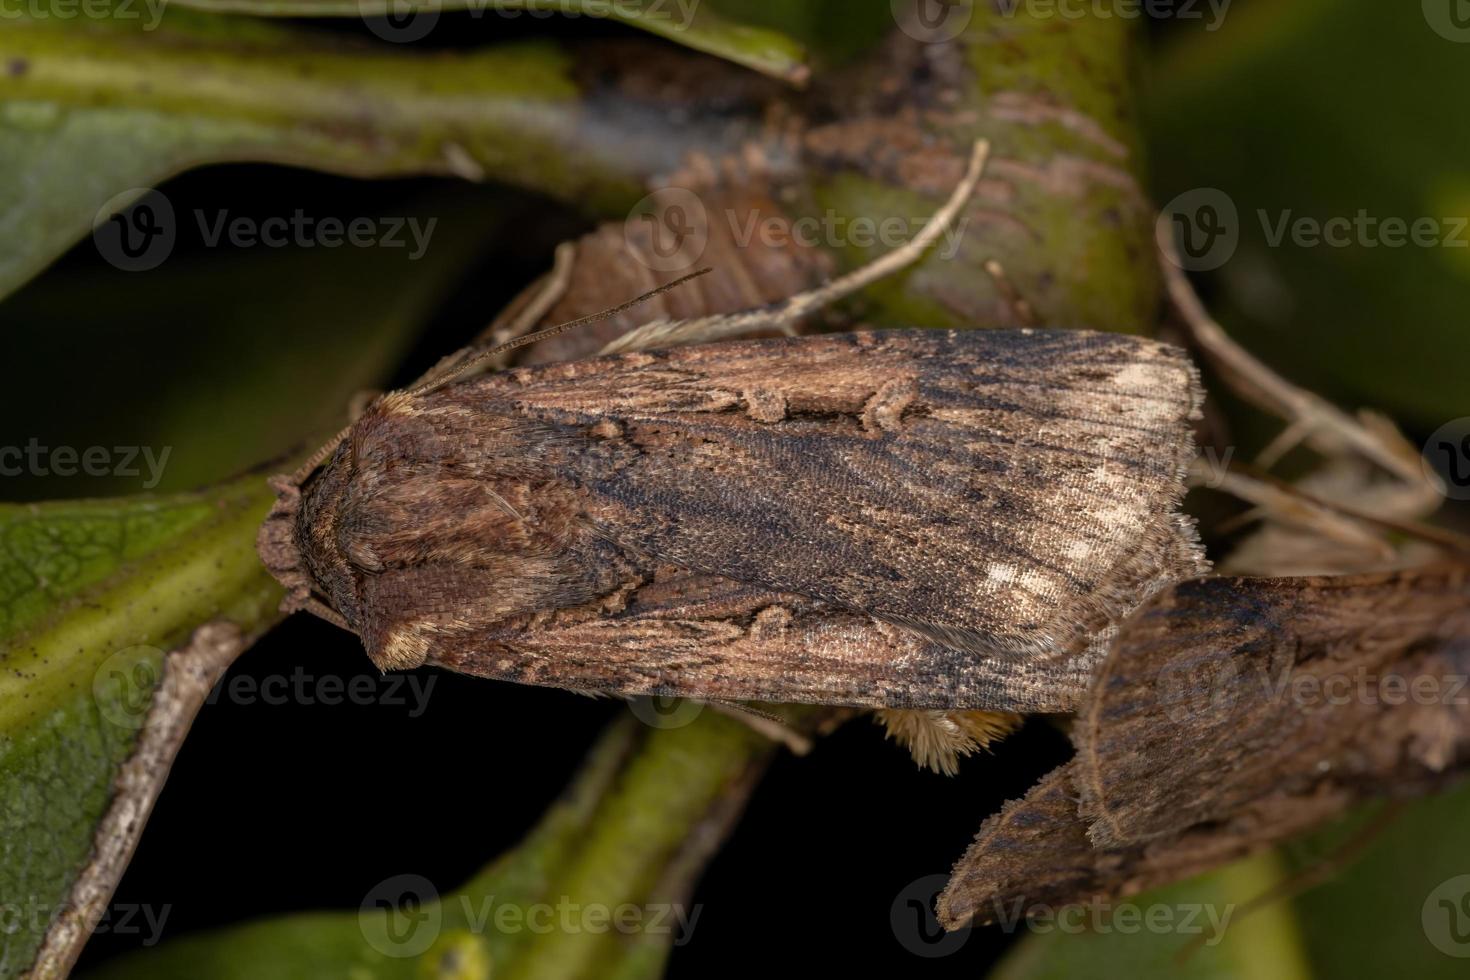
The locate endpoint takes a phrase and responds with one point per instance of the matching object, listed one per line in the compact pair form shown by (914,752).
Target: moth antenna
(1022,310)
(547,295)
(531,338)
(307,468)
(780,316)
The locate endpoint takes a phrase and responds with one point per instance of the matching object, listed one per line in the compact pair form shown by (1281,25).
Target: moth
(1232,713)
(913,518)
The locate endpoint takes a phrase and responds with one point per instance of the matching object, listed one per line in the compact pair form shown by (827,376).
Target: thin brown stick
(1319,421)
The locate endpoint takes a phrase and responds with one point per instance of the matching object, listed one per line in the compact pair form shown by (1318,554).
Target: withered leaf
(1232,713)
(906,518)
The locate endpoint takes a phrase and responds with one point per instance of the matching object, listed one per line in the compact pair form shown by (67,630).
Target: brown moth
(1232,713)
(908,519)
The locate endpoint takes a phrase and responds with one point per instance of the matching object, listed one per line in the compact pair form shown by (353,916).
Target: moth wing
(1037,851)
(1002,492)
(1244,674)
(689,635)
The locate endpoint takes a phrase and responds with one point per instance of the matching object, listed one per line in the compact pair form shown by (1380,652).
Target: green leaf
(693,23)
(147,104)
(1331,141)
(621,836)
(92,595)
(1115,939)
(1399,909)
(1061,206)
(225,356)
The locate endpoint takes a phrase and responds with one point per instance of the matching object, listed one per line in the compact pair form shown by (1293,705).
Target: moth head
(297,542)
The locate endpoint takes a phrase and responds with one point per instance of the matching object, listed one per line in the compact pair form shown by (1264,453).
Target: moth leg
(783,315)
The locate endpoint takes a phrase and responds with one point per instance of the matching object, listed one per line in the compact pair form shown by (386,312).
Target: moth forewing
(929,519)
